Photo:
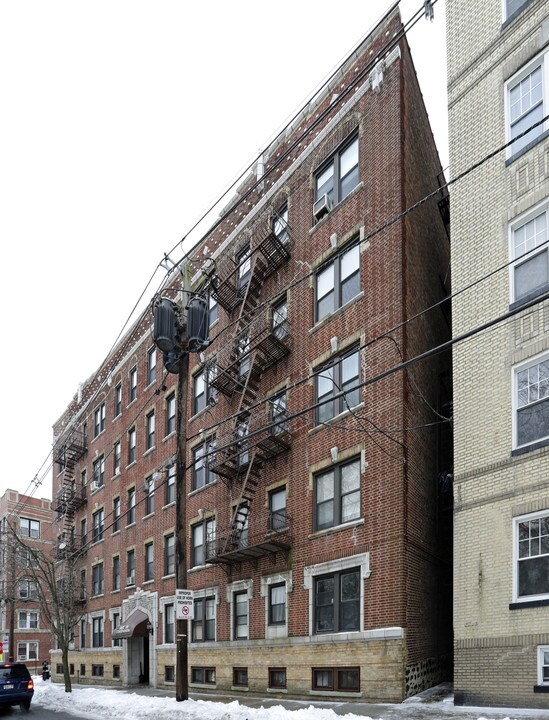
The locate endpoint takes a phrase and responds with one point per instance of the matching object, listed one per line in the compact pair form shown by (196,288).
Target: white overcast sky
(121,122)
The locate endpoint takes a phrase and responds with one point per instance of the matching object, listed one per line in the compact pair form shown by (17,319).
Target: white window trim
(272,631)
(362,561)
(516,369)
(27,625)
(26,657)
(515,224)
(541,650)
(516,521)
(167,600)
(540,59)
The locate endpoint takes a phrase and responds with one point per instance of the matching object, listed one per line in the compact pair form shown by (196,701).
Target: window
(243,261)
(203,623)
(99,472)
(150,425)
(82,670)
(170,485)
(337,602)
(337,177)
(130,563)
(526,95)
(543,665)
(277,509)
(279,224)
(151,366)
(98,525)
(116,458)
(27,651)
(213,312)
(132,444)
(169,673)
(28,590)
(337,283)
(513,6)
(97,579)
(202,475)
(29,528)
(149,500)
(341,679)
(203,537)
(84,531)
(337,495)
(240,526)
(201,392)
(118,400)
(116,514)
(116,669)
(169,555)
(116,573)
(84,477)
(115,625)
(241,615)
(277,604)
(133,384)
(279,319)
(99,420)
(532,402)
(531,544)
(342,376)
(277,677)
(529,250)
(82,635)
(241,434)
(277,412)
(149,562)
(203,675)
(83,589)
(170,414)
(169,624)
(240,676)
(131,506)
(97,670)
(28,620)
(97,633)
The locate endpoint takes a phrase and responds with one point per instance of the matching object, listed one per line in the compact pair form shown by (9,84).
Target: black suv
(16,685)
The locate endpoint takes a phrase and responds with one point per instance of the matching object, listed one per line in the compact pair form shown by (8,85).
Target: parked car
(16,685)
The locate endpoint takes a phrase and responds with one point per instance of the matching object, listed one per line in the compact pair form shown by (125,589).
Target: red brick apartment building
(317,534)
(32,519)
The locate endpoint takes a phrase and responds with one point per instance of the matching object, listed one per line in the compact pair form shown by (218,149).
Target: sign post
(184,605)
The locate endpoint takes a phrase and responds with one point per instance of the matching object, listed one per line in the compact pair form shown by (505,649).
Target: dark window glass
(337,602)
(337,495)
(342,376)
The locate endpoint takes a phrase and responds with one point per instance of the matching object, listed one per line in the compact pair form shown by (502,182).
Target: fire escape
(258,433)
(72,495)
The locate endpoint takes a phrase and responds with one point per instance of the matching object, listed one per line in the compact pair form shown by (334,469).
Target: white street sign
(184,605)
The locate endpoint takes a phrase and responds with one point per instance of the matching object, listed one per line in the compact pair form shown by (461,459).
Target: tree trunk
(66,673)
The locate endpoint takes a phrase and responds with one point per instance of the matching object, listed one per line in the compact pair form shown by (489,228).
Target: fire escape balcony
(241,455)
(70,448)
(263,535)
(69,500)
(255,347)
(271,251)
(69,547)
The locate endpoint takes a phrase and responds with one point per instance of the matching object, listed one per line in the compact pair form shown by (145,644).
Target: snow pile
(102,703)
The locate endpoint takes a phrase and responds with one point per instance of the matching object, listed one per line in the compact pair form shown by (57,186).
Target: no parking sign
(184,605)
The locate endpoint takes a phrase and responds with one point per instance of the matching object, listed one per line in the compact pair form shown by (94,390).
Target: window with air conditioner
(336,178)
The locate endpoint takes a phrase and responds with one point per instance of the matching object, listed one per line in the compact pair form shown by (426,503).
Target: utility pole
(177,335)
(11,650)
(181,667)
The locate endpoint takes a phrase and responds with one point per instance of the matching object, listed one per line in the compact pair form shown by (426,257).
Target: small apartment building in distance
(498,80)
(317,522)
(32,519)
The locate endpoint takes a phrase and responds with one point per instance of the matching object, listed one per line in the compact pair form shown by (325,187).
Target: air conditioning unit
(95,485)
(130,580)
(322,207)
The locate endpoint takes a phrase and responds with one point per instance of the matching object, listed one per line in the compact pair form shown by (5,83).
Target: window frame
(99,471)
(149,499)
(149,562)
(201,467)
(130,567)
(151,366)
(334,685)
(508,16)
(116,572)
(332,371)
(99,416)
(170,484)
(517,224)
(339,283)
(202,620)
(201,399)
(168,626)
(131,507)
(238,596)
(336,601)
(270,618)
(272,672)
(116,513)
(118,400)
(208,527)
(133,384)
(98,525)
(279,224)
(541,61)
(150,430)
(240,676)
(117,458)
(29,528)
(31,620)
(98,580)
(337,504)
(98,633)
(277,518)
(516,370)
(542,663)
(169,554)
(336,194)
(517,521)
(170,414)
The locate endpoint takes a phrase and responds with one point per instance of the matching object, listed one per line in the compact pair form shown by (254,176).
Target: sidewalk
(433,704)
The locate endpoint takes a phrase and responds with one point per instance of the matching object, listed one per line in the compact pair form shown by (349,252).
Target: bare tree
(60,596)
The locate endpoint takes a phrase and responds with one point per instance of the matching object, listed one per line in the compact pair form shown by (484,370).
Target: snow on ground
(99,703)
